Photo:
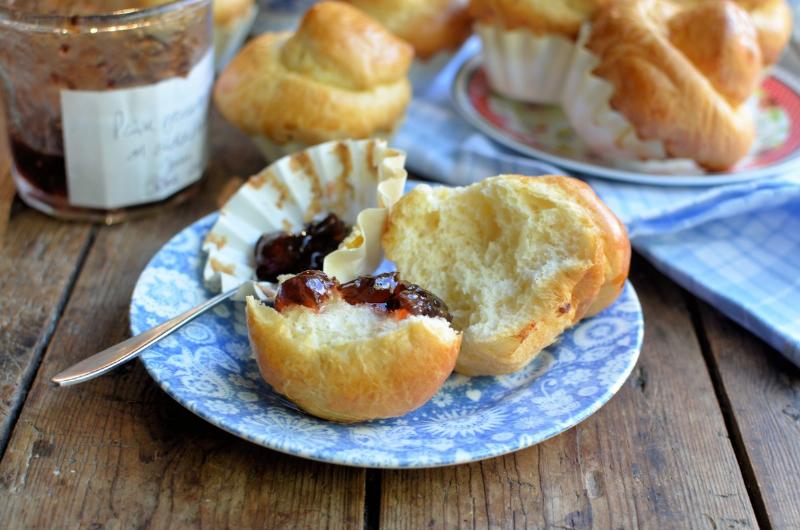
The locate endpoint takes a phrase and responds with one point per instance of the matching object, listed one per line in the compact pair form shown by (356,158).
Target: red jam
(309,288)
(46,172)
(418,301)
(370,289)
(281,253)
(384,293)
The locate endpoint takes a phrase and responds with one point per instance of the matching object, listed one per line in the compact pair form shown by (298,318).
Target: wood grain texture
(656,456)
(38,261)
(7,193)
(117,452)
(7,189)
(761,392)
(39,258)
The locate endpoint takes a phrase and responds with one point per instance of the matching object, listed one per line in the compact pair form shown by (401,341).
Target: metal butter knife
(108,359)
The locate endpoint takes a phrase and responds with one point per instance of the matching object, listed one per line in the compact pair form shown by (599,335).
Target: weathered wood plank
(761,393)
(7,189)
(38,261)
(7,192)
(117,452)
(656,456)
(39,258)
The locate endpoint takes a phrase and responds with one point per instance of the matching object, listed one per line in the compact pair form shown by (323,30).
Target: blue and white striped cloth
(736,246)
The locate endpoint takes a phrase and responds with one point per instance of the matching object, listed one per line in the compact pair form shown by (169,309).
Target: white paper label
(136,145)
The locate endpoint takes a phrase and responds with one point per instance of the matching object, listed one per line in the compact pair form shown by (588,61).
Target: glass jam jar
(106,102)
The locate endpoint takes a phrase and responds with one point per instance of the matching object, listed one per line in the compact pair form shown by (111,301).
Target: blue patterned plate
(207,367)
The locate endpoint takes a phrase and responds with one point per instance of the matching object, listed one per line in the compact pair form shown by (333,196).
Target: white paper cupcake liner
(524,66)
(358,180)
(587,104)
(228,40)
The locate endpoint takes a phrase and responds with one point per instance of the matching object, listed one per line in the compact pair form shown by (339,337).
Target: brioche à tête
(350,363)
(435,28)
(517,260)
(430,26)
(340,75)
(659,80)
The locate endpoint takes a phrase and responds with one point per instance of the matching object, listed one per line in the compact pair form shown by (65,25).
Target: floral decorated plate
(207,367)
(543,132)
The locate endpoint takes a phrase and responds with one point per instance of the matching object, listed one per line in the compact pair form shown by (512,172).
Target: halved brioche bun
(516,259)
(348,363)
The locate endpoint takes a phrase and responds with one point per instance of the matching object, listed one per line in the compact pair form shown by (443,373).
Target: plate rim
(458,91)
(579,418)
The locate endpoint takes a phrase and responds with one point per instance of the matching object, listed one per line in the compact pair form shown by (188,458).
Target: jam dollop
(384,293)
(370,289)
(418,301)
(309,288)
(281,253)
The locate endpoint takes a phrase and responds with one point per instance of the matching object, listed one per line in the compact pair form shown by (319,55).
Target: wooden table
(704,434)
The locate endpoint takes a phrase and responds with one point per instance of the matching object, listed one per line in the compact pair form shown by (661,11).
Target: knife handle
(120,353)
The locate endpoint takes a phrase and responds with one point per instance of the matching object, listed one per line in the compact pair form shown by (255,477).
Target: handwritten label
(136,145)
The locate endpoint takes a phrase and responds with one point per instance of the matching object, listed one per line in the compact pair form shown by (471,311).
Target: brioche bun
(348,363)
(340,75)
(655,80)
(516,259)
(430,26)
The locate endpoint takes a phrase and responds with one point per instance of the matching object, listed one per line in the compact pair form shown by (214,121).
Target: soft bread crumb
(338,323)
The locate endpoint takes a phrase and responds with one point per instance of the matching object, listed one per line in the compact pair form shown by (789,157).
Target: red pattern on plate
(479,92)
(781,95)
(775,93)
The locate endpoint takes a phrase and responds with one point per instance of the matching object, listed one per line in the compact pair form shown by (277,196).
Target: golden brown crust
(539,16)
(588,288)
(668,98)
(772,20)
(429,26)
(227,12)
(339,45)
(616,245)
(719,39)
(341,75)
(380,377)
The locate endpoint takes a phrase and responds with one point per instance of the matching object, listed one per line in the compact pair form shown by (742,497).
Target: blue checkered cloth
(736,247)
